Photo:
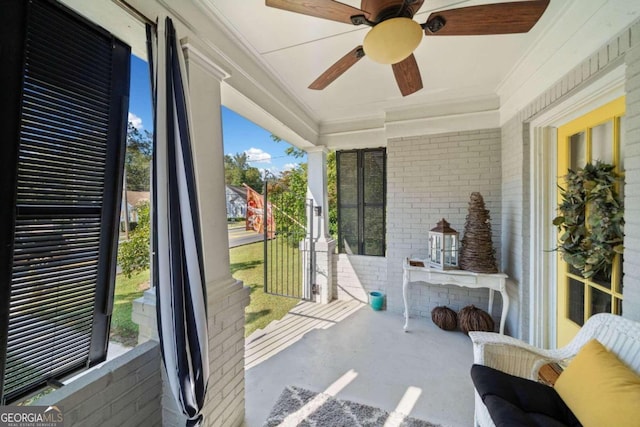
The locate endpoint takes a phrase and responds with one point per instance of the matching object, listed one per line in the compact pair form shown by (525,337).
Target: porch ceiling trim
(195,53)
(376,132)
(253,78)
(563,49)
(238,102)
(246,74)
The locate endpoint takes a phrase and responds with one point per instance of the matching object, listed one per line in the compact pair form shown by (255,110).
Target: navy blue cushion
(515,401)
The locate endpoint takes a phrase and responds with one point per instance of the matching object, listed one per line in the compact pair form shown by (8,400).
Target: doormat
(299,407)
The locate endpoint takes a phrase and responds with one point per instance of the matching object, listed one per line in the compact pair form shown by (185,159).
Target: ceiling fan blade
(407,75)
(498,18)
(326,9)
(374,7)
(415,7)
(337,69)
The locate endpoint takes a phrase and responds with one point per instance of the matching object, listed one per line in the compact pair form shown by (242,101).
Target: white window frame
(543,182)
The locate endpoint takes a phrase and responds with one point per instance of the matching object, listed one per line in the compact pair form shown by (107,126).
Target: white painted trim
(306,123)
(243,105)
(566,45)
(196,55)
(513,78)
(436,125)
(318,149)
(247,75)
(365,138)
(542,304)
(603,89)
(242,44)
(377,135)
(543,264)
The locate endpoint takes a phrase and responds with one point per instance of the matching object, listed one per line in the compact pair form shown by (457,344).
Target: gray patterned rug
(299,407)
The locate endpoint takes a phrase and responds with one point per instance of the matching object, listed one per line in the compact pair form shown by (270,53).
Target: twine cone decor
(477,253)
(444,318)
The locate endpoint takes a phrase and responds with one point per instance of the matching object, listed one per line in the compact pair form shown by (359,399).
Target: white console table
(468,279)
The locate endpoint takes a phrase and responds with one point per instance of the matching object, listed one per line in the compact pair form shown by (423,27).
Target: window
(63,133)
(361,201)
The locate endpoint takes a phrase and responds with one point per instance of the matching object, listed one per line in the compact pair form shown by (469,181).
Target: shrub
(133,254)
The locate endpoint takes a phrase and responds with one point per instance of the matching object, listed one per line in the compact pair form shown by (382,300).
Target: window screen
(63,149)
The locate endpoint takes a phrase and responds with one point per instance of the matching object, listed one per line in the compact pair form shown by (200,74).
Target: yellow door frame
(612,111)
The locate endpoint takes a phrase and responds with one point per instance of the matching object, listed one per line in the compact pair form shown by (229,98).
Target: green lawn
(123,330)
(247,265)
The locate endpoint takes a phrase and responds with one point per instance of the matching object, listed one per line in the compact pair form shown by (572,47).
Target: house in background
(236,201)
(133,199)
(503,115)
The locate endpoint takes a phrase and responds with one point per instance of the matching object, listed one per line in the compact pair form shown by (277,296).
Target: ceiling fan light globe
(393,40)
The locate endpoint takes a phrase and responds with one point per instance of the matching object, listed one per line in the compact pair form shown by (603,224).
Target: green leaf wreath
(590,246)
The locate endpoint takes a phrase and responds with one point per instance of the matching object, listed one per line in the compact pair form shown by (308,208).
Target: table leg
(405,283)
(490,307)
(505,309)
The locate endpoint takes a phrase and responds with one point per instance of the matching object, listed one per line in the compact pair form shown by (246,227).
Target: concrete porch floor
(365,357)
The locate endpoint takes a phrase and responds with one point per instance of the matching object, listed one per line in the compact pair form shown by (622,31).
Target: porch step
(301,319)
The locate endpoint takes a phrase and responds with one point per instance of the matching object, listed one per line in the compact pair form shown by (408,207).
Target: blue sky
(239,134)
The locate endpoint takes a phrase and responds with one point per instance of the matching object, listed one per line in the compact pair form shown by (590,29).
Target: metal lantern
(443,246)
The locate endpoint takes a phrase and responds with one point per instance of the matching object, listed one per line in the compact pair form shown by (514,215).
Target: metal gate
(285,254)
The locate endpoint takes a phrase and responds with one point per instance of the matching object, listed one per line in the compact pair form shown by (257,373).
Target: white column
(321,243)
(317,190)
(208,153)
(226,297)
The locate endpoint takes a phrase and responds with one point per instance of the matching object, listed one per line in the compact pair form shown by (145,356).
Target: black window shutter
(62,151)
(362,198)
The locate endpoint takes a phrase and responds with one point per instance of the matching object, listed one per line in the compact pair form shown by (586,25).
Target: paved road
(238,236)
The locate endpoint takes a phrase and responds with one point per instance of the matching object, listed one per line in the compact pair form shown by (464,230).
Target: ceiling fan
(394,35)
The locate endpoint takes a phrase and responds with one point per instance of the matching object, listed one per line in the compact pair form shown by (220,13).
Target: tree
(332,192)
(298,177)
(253,178)
(291,191)
(290,151)
(237,171)
(133,254)
(138,159)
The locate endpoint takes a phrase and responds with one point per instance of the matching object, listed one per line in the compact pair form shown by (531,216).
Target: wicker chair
(510,355)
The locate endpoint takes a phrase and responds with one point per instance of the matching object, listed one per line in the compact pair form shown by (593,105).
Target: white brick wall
(224,404)
(428,178)
(356,275)
(515,218)
(225,395)
(122,392)
(631,303)
(625,48)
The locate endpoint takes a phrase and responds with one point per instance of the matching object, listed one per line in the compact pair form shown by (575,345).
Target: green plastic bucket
(376,300)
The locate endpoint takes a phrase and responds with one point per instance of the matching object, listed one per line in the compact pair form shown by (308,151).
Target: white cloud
(269,172)
(256,155)
(135,121)
(289,166)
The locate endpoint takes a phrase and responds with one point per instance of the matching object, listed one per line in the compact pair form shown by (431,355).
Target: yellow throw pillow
(600,389)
